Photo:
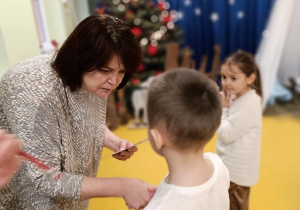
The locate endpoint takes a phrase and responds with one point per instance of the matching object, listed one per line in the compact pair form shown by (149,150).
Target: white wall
(59,19)
(81,9)
(19,33)
(63,16)
(4,64)
(19,39)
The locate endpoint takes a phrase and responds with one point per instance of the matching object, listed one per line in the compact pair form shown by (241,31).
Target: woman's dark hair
(246,63)
(92,45)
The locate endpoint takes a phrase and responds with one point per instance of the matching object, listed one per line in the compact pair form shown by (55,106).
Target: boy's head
(184,107)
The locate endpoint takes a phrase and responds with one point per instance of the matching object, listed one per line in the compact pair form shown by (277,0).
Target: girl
(239,134)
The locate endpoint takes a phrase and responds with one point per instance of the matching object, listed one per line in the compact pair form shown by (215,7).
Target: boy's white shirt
(211,195)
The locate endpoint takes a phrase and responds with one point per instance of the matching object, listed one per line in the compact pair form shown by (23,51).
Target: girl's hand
(225,97)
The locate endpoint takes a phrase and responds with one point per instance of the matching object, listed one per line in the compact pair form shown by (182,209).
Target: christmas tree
(154,26)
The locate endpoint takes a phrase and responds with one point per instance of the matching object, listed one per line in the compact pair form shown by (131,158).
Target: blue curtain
(233,24)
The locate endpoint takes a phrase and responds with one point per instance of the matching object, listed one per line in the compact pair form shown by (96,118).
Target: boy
(184,110)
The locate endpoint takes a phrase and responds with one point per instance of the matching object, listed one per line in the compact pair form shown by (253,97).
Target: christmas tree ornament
(152,50)
(135,81)
(129,14)
(141,68)
(137,31)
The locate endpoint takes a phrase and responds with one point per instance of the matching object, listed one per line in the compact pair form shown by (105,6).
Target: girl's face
(102,82)
(234,81)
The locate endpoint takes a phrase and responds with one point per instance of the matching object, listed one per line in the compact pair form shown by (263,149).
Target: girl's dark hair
(246,63)
(92,45)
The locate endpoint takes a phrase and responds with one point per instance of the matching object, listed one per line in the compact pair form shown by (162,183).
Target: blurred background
(196,34)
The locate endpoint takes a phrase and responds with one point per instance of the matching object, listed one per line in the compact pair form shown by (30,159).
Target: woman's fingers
(124,155)
(133,149)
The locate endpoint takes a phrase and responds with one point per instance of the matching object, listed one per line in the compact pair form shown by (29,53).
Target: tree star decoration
(241,15)
(214,17)
(197,11)
(231,2)
(187,2)
(180,15)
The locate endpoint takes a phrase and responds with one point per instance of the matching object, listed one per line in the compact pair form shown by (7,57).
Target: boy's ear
(157,138)
(251,79)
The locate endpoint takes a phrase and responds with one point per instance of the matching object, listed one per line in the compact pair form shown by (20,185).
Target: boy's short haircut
(186,105)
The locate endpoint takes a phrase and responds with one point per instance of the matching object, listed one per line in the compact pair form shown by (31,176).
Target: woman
(56,105)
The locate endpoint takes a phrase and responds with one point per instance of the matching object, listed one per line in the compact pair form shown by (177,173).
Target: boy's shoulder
(213,157)
(219,166)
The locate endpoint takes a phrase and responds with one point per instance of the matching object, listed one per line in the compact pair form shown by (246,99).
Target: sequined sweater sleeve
(62,129)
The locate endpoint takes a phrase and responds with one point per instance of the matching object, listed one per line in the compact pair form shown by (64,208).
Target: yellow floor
(279,184)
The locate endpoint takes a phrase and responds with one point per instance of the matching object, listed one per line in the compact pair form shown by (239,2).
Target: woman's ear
(157,138)
(251,79)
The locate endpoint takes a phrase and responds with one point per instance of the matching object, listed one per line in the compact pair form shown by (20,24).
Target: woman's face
(102,82)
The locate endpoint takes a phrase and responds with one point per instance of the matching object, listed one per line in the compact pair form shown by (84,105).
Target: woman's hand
(125,154)
(137,193)
(116,144)
(9,161)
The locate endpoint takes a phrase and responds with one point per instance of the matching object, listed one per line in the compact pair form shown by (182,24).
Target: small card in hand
(126,149)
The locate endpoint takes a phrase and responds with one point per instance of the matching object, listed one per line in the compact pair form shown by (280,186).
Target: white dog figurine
(138,100)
